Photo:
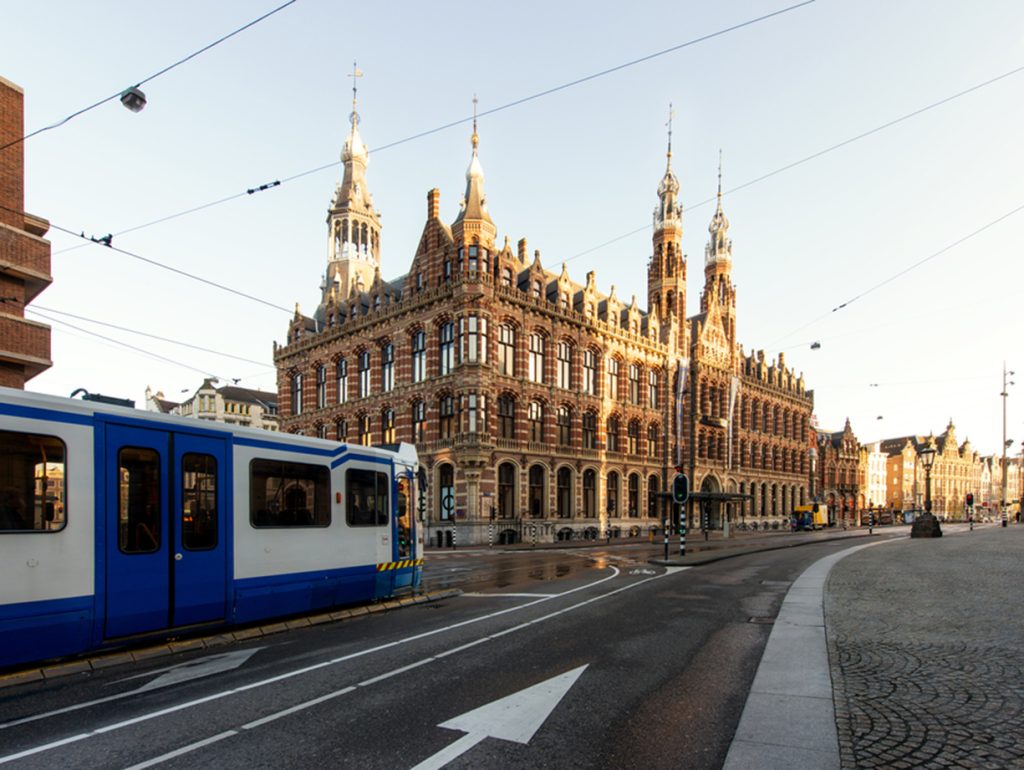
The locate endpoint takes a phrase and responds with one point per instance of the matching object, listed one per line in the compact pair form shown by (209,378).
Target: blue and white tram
(118,523)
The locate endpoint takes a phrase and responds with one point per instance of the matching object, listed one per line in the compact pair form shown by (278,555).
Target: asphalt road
(610,662)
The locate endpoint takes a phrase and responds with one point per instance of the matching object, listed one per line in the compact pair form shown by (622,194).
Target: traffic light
(970,499)
(815,508)
(680,488)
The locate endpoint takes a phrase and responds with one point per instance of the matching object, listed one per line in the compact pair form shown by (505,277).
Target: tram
(117,523)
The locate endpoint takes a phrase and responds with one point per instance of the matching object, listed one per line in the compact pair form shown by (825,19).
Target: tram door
(405,547)
(165,529)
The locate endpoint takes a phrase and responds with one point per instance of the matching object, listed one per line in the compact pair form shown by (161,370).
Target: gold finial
(719,177)
(476,138)
(671,114)
(356,73)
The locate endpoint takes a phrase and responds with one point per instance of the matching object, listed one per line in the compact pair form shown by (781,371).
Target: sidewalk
(903,655)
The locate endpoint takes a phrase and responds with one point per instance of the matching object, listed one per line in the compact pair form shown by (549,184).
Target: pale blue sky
(568,171)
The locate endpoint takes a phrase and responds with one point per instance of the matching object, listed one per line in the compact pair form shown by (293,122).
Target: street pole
(1004,395)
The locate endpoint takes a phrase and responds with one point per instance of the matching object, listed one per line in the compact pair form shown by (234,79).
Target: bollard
(533,534)
(490,536)
(665,527)
(871,522)
(454,544)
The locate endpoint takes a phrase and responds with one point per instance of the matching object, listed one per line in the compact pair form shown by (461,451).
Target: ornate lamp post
(927,525)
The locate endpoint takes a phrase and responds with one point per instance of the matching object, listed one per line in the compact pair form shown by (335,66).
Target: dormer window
(536,292)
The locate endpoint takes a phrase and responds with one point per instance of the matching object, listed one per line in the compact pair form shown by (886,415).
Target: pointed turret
(353,225)
(666,274)
(718,266)
(473,224)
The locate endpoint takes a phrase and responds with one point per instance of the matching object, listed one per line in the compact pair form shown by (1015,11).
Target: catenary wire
(147,79)
(35,307)
(128,346)
(461,121)
(902,272)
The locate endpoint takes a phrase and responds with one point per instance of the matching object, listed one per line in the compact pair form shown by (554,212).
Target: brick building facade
(838,463)
(24,254)
(541,406)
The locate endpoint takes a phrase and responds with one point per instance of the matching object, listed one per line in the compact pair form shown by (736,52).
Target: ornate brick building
(24,254)
(539,405)
(839,457)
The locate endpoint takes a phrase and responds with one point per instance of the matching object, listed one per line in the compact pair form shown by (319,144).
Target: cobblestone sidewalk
(926,648)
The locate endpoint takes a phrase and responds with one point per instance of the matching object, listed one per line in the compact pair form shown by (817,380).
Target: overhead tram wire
(903,272)
(34,307)
(461,121)
(706,201)
(176,270)
(151,77)
(143,351)
(818,154)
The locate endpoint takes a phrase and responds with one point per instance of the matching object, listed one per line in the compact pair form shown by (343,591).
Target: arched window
(387,368)
(419,422)
(613,379)
(652,497)
(341,430)
(589,430)
(342,377)
(536,491)
(364,374)
(536,361)
(506,490)
(563,419)
(506,416)
(473,339)
(387,426)
(634,383)
(564,493)
(535,416)
(537,290)
(612,493)
(589,494)
(633,432)
(589,385)
(612,434)
(565,351)
(446,348)
(419,356)
(297,394)
(652,440)
(507,350)
(506,277)
(321,388)
(634,495)
(364,430)
(652,389)
(446,491)
(446,421)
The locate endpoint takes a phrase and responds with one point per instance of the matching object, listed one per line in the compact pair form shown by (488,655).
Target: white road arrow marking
(515,717)
(196,669)
(182,672)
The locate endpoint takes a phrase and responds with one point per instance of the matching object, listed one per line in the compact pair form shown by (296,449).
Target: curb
(107,660)
(697,559)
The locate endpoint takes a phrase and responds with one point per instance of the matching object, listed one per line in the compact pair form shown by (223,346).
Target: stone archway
(713,508)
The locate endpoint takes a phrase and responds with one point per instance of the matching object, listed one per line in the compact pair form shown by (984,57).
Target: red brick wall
(12,163)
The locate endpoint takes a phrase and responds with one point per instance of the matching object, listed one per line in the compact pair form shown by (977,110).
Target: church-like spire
(353,250)
(719,248)
(668,212)
(474,203)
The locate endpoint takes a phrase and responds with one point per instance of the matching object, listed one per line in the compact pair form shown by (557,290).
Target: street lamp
(1006,374)
(926,525)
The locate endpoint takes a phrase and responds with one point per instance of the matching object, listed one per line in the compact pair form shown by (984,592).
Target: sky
(575,172)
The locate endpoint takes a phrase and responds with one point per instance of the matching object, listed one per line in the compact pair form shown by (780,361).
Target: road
(579,658)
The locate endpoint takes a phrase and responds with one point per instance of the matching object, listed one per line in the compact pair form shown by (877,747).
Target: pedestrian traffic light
(970,499)
(815,508)
(680,488)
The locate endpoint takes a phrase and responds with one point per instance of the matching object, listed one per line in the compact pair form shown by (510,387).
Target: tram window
(32,474)
(366,498)
(284,494)
(198,502)
(139,513)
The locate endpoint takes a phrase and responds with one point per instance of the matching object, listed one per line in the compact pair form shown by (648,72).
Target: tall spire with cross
(353,225)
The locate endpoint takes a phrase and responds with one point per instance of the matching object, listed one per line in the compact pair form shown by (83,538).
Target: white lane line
(183,750)
(403,669)
(512,596)
(285,712)
(296,672)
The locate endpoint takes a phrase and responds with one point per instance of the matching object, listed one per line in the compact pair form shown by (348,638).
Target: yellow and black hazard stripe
(388,566)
